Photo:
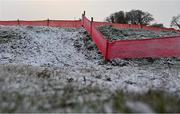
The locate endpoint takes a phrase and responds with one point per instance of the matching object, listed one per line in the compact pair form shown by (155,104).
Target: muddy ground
(48,69)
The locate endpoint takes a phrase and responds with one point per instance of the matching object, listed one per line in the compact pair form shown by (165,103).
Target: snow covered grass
(42,46)
(24,89)
(152,101)
(113,33)
(60,69)
(7,33)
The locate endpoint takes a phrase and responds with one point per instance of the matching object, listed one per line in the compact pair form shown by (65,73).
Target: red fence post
(82,20)
(91,25)
(107,47)
(18,21)
(48,22)
(84,13)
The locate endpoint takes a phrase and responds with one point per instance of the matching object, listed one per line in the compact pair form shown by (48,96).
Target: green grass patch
(88,99)
(158,101)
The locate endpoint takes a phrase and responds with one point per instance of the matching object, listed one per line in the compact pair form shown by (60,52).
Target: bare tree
(139,17)
(117,17)
(132,17)
(110,18)
(175,22)
(120,17)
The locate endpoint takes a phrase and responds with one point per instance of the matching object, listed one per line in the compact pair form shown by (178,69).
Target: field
(113,33)
(51,69)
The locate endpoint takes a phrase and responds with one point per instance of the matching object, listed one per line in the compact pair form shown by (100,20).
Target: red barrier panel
(154,47)
(113,24)
(135,26)
(121,25)
(97,37)
(57,23)
(87,24)
(65,23)
(100,41)
(34,23)
(8,22)
(101,23)
(158,47)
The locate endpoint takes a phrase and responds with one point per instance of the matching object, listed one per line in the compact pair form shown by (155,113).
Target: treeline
(139,17)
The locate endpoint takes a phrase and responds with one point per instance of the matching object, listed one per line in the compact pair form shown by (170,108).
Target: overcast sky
(162,10)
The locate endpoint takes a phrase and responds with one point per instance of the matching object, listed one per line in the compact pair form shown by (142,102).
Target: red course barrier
(101,23)
(97,37)
(87,25)
(157,47)
(154,47)
(55,23)
(65,23)
(100,41)
(33,23)
(8,22)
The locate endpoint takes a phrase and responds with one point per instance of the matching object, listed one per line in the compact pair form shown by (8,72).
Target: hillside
(60,69)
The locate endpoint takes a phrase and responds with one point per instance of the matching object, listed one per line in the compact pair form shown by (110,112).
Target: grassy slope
(45,90)
(69,97)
